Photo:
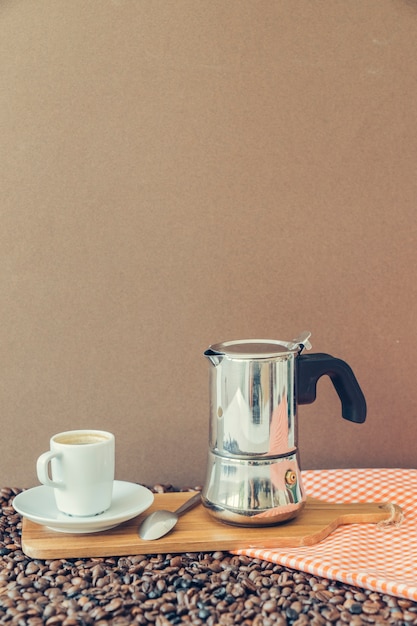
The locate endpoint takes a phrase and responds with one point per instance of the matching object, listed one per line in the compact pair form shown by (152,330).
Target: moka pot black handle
(311,367)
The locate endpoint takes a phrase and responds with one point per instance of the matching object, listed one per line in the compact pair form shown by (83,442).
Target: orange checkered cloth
(371,556)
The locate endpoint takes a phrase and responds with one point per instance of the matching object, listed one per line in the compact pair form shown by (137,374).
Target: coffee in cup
(80,468)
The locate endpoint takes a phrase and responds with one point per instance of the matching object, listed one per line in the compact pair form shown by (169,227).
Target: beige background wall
(175,174)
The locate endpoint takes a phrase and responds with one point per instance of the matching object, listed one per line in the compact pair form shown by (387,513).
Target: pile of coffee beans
(215,588)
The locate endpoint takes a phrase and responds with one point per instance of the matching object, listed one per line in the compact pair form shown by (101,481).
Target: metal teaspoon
(159,523)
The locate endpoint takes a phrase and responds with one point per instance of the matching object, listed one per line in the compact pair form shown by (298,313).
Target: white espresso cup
(80,468)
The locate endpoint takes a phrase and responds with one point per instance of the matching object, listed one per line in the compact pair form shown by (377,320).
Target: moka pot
(253,474)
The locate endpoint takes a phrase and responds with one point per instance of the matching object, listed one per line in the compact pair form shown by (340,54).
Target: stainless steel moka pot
(253,475)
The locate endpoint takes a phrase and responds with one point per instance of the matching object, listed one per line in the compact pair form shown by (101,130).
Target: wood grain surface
(197,531)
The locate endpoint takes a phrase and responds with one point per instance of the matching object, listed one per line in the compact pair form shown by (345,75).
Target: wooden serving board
(197,531)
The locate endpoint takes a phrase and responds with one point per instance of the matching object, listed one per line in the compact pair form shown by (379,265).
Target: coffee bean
(229,599)
(220,593)
(404,603)
(196,589)
(176,561)
(291,613)
(286,591)
(113,605)
(355,608)
(360,596)
(331,614)
(371,608)
(56,620)
(323,595)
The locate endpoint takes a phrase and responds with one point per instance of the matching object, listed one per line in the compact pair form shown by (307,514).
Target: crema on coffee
(79,439)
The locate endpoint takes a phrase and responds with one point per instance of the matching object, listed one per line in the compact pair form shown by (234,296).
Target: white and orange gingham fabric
(379,558)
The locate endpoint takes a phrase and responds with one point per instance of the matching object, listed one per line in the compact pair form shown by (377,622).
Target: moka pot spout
(215,357)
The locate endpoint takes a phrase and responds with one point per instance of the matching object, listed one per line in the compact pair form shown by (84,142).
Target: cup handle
(42,469)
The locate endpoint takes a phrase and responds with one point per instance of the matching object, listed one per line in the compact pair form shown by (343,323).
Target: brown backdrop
(175,174)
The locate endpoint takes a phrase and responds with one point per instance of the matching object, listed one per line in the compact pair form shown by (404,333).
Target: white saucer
(38,505)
